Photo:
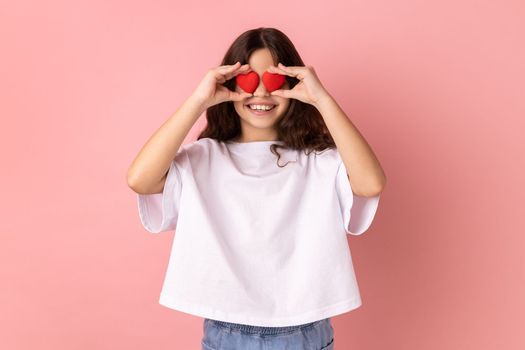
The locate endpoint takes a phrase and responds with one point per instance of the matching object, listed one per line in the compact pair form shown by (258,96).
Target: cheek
(283,105)
(238,106)
(283,102)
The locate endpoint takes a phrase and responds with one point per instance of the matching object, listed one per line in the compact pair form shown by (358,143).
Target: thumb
(281,93)
(236,96)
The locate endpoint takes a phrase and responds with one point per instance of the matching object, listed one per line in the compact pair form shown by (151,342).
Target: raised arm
(148,170)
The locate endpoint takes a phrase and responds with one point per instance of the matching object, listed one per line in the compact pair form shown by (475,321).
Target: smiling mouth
(260,111)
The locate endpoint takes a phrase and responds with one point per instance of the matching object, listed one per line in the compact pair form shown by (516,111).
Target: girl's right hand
(210,90)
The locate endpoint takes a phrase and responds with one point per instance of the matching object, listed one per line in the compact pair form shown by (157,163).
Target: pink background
(437,88)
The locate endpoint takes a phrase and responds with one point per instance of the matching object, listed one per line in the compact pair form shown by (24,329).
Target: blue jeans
(220,335)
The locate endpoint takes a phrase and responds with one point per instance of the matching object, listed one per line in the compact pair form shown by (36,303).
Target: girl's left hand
(308,90)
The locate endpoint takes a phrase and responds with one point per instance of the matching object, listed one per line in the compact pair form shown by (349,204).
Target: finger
(233,95)
(283,93)
(231,68)
(223,77)
(279,70)
(241,70)
(236,96)
(274,69)
(295,71)
(228,67)
(219,78)
(245,68)
(223,70)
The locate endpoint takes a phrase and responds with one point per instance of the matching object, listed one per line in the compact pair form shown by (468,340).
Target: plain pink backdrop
(436,87)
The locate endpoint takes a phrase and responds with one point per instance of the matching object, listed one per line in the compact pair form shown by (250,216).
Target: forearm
(152,163)
(365,173)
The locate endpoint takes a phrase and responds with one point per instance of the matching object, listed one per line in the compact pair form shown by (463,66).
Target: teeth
(261,107)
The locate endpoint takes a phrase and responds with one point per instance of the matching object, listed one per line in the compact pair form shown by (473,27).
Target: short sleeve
(159,211)
(358,211)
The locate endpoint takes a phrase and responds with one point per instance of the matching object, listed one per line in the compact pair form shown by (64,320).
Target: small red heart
(248,82)
(272,81)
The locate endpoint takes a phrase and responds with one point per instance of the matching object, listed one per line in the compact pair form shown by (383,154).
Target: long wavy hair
(301,128)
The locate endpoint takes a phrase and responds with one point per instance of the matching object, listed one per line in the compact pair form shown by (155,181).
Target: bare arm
(365,173)
(147,173)
(148,170)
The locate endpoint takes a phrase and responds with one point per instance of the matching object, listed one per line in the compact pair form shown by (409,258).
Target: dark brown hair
(301,128)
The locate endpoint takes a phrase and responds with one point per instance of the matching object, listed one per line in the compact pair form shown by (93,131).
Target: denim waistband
(261,329)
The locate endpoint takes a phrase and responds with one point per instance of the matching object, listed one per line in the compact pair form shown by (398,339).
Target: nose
(261,89)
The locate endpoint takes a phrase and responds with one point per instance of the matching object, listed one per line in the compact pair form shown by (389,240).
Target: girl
(261,201)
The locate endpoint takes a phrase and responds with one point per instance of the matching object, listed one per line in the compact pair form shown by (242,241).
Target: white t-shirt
(255,243)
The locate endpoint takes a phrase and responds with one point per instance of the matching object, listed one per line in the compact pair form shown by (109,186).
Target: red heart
(249,81)
(272,81)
